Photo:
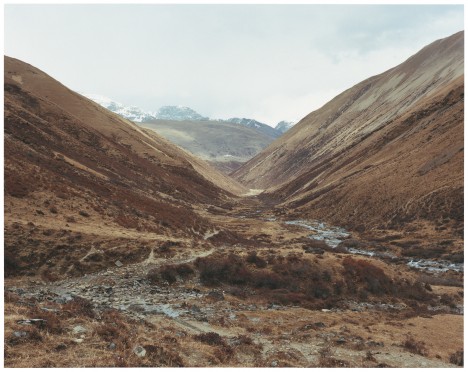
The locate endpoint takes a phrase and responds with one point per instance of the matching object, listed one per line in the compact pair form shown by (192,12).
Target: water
(333,236)
(436,266)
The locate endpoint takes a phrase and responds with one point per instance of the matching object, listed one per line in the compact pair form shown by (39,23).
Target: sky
(267,62)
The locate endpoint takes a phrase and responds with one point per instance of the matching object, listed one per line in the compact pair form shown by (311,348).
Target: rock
(48,309)
(274,363)
(314,250)
(31,321)
(341,341)
(60,347)
(78,340)
(79,329)
(195,309)
(374,343)
(326,310)
(139,351)
(216,295)
(20,334)
(320,325)
(64,298)
(118,264)
(111,346)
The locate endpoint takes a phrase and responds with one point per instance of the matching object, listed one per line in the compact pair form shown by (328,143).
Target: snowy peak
(136,114)
(179,113)
(284,126)
(132,113)
(251,123)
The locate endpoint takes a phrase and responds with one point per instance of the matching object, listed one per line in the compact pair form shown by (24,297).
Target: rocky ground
(186,322)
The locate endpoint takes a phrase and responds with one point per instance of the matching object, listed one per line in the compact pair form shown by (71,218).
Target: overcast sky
(268,62)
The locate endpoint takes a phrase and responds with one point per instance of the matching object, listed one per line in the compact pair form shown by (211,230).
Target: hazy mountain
(284,126)
(388,150)
(129,112)
(138,115)
(225,145)
(261,127)
(178,113)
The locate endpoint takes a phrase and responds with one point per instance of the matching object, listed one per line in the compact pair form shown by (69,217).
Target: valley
(338,244)
(250,324)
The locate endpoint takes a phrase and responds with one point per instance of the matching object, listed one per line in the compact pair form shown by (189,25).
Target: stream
(333,236)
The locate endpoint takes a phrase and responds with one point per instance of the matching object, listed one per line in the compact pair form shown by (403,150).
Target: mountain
(129,112)
(79,178)
(284,126)
(385,152)
(223,144)
(261,127)
(178,113)
(138,115)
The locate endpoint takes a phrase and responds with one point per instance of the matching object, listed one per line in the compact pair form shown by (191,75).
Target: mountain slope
(225,145)
(386,151)
(254,124)
(72,165)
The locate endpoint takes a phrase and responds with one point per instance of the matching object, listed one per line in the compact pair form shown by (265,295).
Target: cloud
(268,62)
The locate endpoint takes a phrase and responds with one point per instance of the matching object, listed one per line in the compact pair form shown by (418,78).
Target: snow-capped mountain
(251,123)
(284,126)
(179,113)
(138,115)
(132,113)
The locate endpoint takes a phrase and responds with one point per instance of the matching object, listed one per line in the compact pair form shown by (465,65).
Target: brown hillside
(387,151)
(70,164)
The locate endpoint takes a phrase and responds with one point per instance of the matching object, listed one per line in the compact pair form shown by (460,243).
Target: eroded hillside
(386,152)
(73,168)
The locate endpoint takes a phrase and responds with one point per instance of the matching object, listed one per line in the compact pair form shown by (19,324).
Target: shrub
(51,323)
(257,261)
(185,270)
(83,213)
(217,270)
(362,271)
(11,264)
(210,338)
(169,273)
(266,279)
(415,347)
(79,306)
(457,358)
(159,356)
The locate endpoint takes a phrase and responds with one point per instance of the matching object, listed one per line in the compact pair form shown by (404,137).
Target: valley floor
(158,312)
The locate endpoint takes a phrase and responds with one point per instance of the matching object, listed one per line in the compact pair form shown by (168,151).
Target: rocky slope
(71,165)
(384,152)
